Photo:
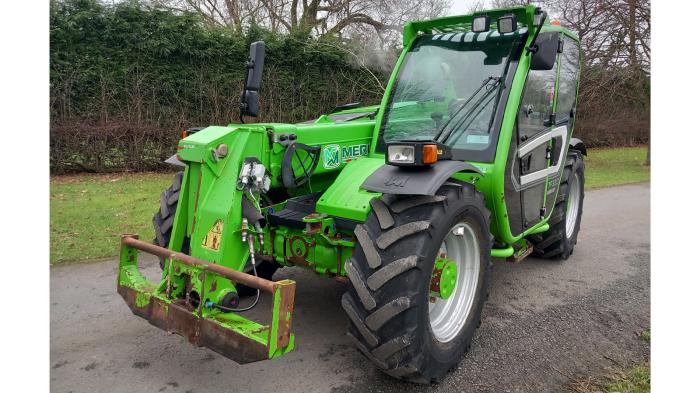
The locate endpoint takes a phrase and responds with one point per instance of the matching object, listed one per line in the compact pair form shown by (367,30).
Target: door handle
(525,164)
(526,150)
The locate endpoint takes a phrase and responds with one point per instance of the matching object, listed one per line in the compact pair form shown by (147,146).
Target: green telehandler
(469,157)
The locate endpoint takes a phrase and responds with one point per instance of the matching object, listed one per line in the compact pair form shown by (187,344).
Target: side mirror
(250,100)
(544,57)
(252,103)
(255,64)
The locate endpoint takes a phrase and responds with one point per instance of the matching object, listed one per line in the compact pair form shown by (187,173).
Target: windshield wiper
(439,136)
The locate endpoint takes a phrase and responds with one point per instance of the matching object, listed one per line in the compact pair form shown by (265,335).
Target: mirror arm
(243,105)
(533,47)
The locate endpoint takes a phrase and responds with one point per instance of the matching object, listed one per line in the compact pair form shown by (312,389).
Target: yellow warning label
(213,239)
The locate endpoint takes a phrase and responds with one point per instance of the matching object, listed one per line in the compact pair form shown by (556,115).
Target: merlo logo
(331,156)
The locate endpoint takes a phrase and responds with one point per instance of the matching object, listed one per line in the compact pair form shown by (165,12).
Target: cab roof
(525,16)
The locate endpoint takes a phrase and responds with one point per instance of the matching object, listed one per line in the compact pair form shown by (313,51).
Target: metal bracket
(521,253)
(229,334)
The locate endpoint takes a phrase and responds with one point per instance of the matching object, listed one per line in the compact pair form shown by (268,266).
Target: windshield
(441,85)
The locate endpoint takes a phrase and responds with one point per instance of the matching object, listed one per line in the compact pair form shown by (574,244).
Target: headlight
(481,24)
(401,154)
(507,24)
(416,153)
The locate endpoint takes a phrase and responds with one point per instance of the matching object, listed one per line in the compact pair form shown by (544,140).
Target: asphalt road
(544,324)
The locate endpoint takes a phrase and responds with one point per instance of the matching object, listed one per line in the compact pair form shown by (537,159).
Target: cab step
(522,250)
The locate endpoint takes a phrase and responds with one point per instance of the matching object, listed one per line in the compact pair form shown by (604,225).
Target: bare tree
(318,17)
(509,3)
(615,39)
(612,32)
(475,6)
(614,92)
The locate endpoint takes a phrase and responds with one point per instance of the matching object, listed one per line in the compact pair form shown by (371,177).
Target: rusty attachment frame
(229,334)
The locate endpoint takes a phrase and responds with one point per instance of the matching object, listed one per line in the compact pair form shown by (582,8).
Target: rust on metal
(129,235)
(295,249)
(435,280)
(183,315)
(284,328)
(339,261)
(313,228)
(297,261)
(179,319)
(169,285)
(522,253)
(234,275)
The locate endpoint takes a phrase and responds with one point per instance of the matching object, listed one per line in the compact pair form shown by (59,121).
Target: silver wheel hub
(573,203)
(448,316)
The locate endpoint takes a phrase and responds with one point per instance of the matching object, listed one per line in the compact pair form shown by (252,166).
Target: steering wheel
(298,164)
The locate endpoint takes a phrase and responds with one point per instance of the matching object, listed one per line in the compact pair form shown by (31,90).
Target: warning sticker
(213,239)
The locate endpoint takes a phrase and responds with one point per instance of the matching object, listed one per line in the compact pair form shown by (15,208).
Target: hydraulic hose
(255,302)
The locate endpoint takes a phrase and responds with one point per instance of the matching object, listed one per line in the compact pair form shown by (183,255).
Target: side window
(568,76)
(537,102)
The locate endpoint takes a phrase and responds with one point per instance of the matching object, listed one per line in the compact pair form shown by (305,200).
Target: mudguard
(173,160)
(390,179)
(577,144)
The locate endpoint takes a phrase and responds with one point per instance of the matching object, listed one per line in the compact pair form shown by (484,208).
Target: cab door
(545,120)
(535,131)
(563,117)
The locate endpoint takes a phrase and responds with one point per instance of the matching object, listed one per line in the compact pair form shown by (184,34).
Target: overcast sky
(459,7)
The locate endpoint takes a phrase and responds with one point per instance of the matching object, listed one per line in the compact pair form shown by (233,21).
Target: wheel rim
(447,316)
(572,205)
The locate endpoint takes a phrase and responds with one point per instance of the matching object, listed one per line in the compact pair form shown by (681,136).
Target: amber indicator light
(429,154)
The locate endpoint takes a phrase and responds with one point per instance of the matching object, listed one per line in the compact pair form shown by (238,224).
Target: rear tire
(388,301)
(564,223)
(163,227)
(163,219)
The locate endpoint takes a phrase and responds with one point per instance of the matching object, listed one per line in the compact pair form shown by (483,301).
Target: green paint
(349,152)
(522,249)
(502,252)
(333,155)
(142,299)
(445,275)
(345,198)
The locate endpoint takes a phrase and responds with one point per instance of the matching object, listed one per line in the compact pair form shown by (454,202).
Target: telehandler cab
(468,157)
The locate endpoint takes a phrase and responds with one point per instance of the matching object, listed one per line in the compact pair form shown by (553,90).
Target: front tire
(393,321)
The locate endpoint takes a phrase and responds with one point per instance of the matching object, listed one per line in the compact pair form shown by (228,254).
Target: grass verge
(631,379)
(635,379)
(614,167)
(89,212)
